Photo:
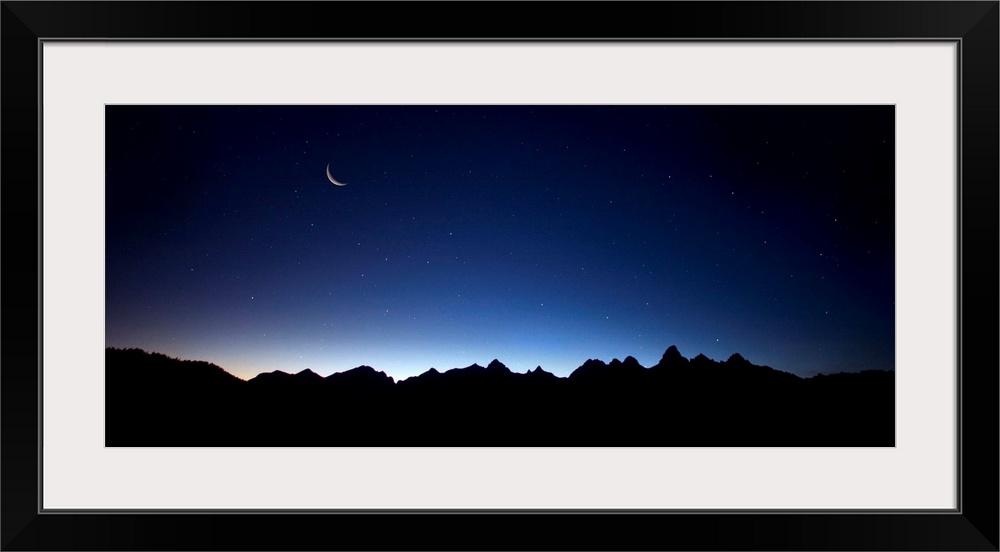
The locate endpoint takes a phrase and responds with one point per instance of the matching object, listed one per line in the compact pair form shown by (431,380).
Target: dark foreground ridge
(155,400)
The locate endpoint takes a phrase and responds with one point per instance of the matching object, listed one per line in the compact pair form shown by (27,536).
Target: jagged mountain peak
(538,372)
(496,365)
(737,358)
(360,374)
(672,353)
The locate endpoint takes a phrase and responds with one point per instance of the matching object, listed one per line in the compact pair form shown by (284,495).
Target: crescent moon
(332,180)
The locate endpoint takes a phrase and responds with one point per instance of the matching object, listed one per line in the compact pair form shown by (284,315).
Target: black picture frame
(973,525)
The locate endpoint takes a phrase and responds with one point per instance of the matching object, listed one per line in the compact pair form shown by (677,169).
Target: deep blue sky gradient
(538,235)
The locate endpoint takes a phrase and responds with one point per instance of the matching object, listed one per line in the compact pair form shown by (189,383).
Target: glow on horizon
(401,364)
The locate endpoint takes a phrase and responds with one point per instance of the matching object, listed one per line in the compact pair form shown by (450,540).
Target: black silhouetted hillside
(150,396)
(154,400)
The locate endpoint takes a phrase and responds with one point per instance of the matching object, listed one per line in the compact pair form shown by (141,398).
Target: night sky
(538,235)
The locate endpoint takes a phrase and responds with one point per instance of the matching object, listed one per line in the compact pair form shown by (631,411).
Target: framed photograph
(678,276)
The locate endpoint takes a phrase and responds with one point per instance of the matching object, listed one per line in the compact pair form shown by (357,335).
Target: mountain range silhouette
(155,400)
